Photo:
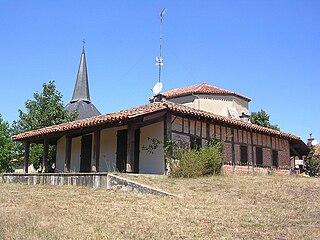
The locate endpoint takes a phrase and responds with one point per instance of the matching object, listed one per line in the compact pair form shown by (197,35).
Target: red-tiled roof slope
(143,110)
(202,88)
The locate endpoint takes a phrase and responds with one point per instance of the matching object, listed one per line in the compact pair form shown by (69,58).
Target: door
(243,155)
(121,160)
(85,157)
(275,160)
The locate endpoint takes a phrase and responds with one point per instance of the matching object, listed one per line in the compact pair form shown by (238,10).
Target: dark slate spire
(81,102)
(81,89)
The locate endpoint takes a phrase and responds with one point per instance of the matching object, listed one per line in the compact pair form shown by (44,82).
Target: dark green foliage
(195,163)
(313,162)
(6,147)
(261,118)
(46,109)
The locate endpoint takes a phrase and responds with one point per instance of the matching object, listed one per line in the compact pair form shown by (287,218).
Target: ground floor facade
(241,147)
(133,140)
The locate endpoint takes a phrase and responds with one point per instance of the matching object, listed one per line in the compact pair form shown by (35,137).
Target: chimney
(244,117)
(157,98)
(310,141)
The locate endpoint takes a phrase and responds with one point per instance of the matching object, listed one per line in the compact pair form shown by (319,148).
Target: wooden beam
(67,160)
(208,132)
(167,128)
(252,154)
(96,150)
(26,156)
(130,147)
(232,147)
(45,155)
(232,150)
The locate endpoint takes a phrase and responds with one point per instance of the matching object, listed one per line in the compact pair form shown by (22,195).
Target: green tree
(46,109)
(6,147)
(313,161)
(262,118)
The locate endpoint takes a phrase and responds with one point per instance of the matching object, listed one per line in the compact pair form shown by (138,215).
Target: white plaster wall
(60,155)
(75,154)
(108,149)
(217,104)
(152,163)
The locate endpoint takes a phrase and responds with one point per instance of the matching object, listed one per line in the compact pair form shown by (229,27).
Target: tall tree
(262,118)
(6,147)
(46,109)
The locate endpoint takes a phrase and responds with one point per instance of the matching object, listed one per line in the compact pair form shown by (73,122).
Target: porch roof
(118,117)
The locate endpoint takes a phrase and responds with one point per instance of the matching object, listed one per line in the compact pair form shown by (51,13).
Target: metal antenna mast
(159,60)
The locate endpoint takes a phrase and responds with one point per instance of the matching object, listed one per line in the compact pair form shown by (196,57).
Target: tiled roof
(117,117)
(202,88)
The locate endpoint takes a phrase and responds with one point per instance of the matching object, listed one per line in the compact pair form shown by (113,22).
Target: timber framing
(177,120)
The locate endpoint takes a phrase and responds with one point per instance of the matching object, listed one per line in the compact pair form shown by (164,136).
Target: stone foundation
(245,170)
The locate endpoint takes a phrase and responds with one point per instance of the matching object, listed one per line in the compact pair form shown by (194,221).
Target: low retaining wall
(94,180)
(245,170)
(123,184)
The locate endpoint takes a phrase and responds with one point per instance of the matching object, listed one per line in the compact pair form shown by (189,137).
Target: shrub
(195,163)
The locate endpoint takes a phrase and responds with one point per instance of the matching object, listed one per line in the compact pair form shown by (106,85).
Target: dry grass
(212,208)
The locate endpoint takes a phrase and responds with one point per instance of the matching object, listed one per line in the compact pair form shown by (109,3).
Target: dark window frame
(275,158)
(259,156)
(195,142)
(243,155)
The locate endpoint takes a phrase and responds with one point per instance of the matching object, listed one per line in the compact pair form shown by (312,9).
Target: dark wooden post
(96,150)
(167,127)
(26,156)
(167,137)
(130,148)
(67,159)
(252,154)
(208,137)
(233,152)
(45,155)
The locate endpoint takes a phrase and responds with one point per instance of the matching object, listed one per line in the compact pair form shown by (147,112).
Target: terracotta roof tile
(202,88)
(143,110)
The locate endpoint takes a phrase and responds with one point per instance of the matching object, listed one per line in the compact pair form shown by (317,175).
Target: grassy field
(237,207)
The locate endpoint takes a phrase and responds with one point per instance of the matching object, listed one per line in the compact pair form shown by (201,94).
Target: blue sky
(268,51)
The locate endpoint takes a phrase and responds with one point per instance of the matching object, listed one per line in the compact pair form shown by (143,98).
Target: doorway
(85,157)
(122,139)
(122,144)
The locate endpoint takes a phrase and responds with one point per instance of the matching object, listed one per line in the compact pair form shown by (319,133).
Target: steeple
(81,89)
(81,102)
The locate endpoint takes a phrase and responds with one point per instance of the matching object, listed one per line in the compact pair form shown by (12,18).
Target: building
(188,116)
(81,102)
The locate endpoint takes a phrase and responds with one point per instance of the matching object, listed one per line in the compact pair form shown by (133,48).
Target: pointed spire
(81,102)
(81,89)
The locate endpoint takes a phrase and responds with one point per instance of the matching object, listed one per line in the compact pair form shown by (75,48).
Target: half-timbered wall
(234,140)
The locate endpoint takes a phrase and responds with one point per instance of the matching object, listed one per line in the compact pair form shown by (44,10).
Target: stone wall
(248,170)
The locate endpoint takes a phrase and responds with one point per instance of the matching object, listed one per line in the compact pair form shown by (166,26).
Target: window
(243,155)
(259,156)
(195,142)
(275,160)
